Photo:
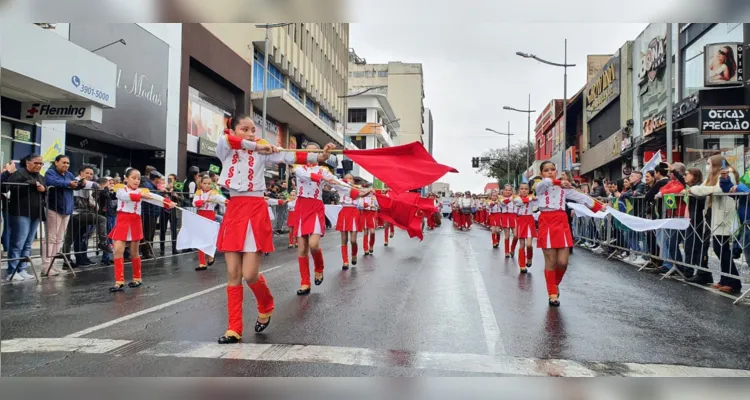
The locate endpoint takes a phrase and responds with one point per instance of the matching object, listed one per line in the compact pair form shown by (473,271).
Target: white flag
(198,233)
(332,213)
(651,164)
(634,223)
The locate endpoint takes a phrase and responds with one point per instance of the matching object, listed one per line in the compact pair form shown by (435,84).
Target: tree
(497,167)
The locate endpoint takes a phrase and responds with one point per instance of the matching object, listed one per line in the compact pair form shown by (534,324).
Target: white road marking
(153,309)
(489,321)
(378,358)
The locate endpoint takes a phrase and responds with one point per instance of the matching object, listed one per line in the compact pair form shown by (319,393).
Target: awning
(41,66)
(284,108)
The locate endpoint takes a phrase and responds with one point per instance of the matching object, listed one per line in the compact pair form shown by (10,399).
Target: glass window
(7,141)
(357,115)
(310,104)
(382,73)
(276,78)
(693,54)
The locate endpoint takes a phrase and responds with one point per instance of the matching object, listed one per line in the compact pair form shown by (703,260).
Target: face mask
(708,168)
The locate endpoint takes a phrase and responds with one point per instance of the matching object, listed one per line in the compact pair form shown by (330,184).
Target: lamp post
(508,135)
(565,66)
(528,111)
(265,70)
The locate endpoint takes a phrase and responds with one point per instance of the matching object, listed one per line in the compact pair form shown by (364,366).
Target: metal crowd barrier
(721,249)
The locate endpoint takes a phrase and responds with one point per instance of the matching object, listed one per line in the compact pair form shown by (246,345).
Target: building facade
(306,78)
(403,83)
(371,124)
(429,139)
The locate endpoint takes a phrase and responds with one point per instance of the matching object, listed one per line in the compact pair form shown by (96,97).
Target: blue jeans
(110,224)
(22,234)
(6,232)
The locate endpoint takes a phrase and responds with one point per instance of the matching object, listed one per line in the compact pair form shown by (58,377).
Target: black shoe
(260,327)
(318,282)
(385,244)
(201,268)
(354,260)
(524,271)
(701,279)
(210,263)
(345,267)
(554,303)
(303,292)
(117,288)
(229,339)
(135,284)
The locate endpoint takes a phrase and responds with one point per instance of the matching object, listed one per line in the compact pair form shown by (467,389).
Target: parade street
(449,306)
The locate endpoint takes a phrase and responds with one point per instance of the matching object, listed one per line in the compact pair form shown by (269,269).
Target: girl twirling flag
(369,222)
(246,230)
(205,201)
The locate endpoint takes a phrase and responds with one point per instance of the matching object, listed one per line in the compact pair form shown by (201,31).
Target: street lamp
(267,27)
(565,66)
(508,135)
(528,111)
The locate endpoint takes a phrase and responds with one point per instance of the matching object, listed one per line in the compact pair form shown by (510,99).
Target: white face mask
(708,168)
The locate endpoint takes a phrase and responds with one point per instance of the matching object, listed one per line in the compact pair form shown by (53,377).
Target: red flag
(403,210)
(402,168)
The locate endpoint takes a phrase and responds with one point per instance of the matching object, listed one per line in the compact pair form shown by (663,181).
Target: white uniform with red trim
(310,211)
(554,229)
(126,202)
(207,201)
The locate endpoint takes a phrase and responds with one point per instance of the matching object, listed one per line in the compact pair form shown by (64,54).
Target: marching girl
(525,226)
(454,210)
(310,216)
(464,212)
(369,222)
(291,218)
(246,230)
(388,230)
(508,219)
(349,223)
(431,223)
(205,200)
(554,236)
(495,219)
(128,226)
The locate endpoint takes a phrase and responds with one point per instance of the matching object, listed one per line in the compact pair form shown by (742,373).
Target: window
(357,115)
(693,54)
(276,78)
(326,119)
(382,74)
(295,91)
(310,104)
(7,141)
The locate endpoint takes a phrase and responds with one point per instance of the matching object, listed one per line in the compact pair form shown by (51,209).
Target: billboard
(723,64)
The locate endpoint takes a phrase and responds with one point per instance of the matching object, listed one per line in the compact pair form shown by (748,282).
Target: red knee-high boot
(291,237)
(551,277)
(304,271)
(365,244)
(119,271)
(372,241)
(263,297)
(513,246)
(507,246)
(137,270)
(355,248)
(318,262)
(234,311)
(201,258)
(529,255)
(560,272)
(385,235)
(522,259)
(345,254)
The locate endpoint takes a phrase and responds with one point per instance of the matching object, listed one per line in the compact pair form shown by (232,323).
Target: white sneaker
(631,258)
(16,278)
(640,261)
(26,275)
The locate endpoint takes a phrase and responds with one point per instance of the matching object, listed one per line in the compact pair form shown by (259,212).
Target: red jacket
(674,187)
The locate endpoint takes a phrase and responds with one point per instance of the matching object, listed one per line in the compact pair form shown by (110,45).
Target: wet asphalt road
(448,306)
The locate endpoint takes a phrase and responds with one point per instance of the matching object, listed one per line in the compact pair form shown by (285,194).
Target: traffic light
(475,162)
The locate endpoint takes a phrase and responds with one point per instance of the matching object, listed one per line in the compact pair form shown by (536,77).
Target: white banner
(198,233)
(332,213)
(634,223)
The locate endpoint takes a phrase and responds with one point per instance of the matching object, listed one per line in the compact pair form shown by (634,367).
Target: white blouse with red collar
(525,205)
(552,197)
(311,180)
(207,201)
(243,168)
(507,206)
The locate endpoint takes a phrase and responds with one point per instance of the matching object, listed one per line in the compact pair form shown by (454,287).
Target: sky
(471,71)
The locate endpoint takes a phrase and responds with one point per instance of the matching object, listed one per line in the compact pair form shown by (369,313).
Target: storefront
(607,117)
(135,133)
(215,84)
(47,83)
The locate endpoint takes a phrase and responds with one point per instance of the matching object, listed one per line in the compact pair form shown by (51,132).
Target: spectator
(60,184)
(25,213)
(672,237)
(697,239)
(720,214)
(149,215)
(597,190)
(107,207)
(169,216)
(8,169)
(85,214)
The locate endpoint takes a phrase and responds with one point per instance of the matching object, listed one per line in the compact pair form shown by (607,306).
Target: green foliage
(497,168)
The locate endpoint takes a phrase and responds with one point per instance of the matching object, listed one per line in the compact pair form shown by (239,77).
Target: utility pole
(670,93)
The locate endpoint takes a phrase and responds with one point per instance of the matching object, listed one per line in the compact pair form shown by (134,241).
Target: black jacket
(25,199)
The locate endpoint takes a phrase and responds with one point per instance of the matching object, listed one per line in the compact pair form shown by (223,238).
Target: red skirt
(246,226)
(369,219)
(507,220)
(526,226)
(350,220)
(128,228)
(209,214)
(554,230)
(291,219)
(496,220)
(310,217)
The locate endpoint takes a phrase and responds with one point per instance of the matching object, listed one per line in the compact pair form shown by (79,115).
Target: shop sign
(604,88)
(654,60)
(723,64)
(685,107)
(22,135)
(206,147)
(270,125)
(61,112)
(725,120)
(654,124)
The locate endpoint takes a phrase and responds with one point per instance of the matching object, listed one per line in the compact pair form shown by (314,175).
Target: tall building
(403,83)
(372,124)
(429,140)
(307,75)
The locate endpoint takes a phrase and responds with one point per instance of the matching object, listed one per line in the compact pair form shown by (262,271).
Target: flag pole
(312,151)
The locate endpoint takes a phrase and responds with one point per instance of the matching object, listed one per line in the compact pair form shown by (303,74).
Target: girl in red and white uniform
(128,226)
(554,236)
(525,225)
(464,212)
(495,219)
(311,219)
(246,231)
(508,220)
(349,224)
(369,212)
(291,218)
(388,230)
(431,224)
(454,210)
(205,201)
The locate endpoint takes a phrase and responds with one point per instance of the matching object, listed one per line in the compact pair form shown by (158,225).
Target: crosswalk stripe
(454,362)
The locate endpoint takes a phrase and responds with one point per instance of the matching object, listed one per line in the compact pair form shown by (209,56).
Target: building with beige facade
(402,83)
(307,75)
